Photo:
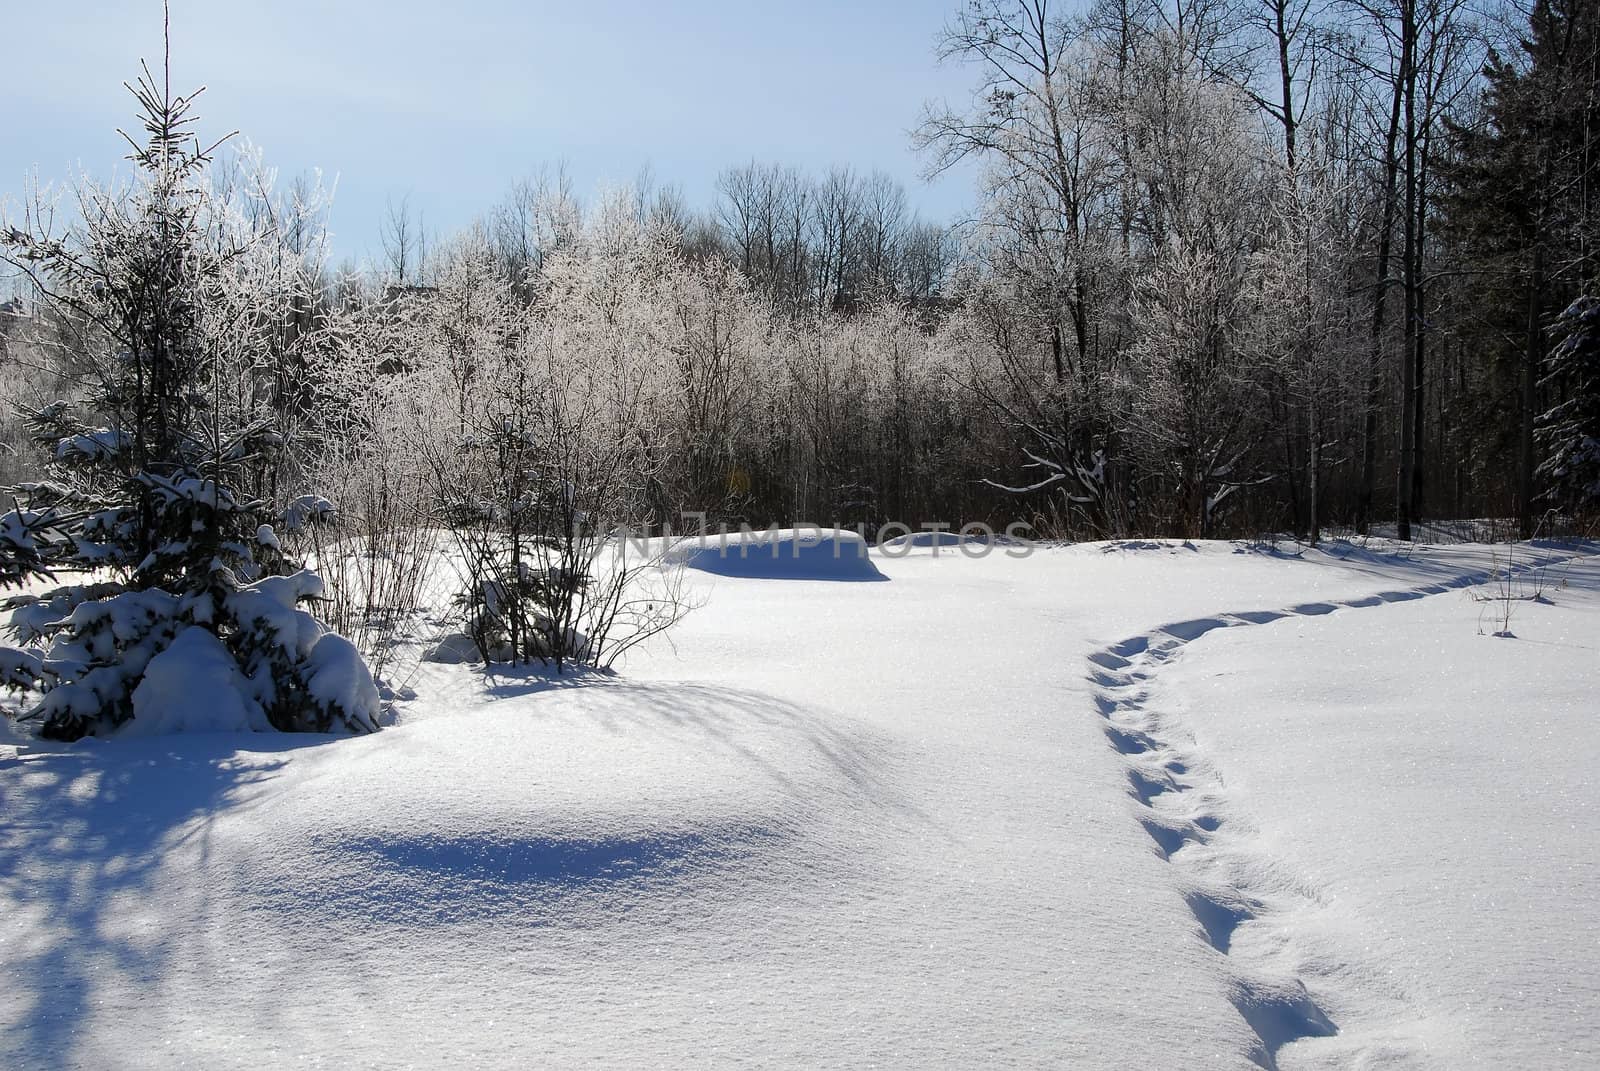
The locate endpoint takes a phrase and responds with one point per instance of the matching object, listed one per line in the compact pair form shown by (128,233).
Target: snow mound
(615,800)
(453,649)
(780,554)
(936,540)
(558,827)
(194,686)
(928,539)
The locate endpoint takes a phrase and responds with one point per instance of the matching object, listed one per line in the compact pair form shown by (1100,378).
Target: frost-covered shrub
(537,435)
(518,618)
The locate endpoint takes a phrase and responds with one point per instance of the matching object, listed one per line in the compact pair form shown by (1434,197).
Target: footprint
(1168,839)
(1259,617)
(1130,741)
(1107,660)
(1279,1013)
(1277,1008)
(1146,788)
(1187,631)
(1219,918)
(1130,647)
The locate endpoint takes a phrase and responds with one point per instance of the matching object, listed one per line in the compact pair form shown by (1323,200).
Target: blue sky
(449,102)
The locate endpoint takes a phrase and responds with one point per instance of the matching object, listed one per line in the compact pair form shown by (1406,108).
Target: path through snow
(1227,878)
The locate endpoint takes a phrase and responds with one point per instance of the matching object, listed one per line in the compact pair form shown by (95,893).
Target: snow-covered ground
(1029,811)
(1412,823)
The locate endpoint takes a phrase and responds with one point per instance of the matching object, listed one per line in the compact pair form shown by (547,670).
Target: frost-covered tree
(1039,120)
(712,332)
(379,560)
(1194,411)
(1302,328)
(183,588)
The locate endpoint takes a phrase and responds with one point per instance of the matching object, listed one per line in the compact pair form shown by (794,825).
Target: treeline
(1260,265)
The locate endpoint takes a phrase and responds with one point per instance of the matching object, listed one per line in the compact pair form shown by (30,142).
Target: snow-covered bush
(226,656)
(187,622)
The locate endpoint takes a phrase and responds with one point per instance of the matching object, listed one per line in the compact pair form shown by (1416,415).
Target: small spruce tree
(180,578)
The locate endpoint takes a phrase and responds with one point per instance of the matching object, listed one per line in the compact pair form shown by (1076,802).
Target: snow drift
(780,554)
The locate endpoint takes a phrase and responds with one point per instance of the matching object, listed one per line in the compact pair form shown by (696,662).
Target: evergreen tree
(145,472)
(1570,431)
(1518,212)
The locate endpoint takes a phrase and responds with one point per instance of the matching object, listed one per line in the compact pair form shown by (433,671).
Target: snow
(94,445)
(924,539)
(337,678)
(307,510)
(779,554)
(972,541)
(87,646)
(19,668)
(1413,817)
(193,686)
(272,604)
(17,530)
(905,823)
(452,649)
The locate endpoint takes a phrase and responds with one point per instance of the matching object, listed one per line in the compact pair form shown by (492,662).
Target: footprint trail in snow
(1227,879)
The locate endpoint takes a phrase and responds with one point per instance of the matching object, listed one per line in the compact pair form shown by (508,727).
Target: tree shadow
(88,827)
(721,714)
(505,681)
(1435,568)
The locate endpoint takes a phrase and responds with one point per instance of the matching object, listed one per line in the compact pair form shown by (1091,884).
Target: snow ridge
(1180,799)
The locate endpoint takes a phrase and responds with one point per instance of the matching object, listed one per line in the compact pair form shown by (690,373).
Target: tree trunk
(1314,472)
(1530,392)
(1380,303)
(1408,371)
(1419,426)
(1285,77)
